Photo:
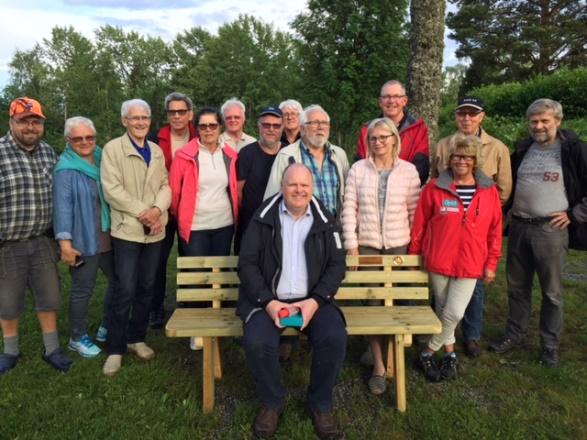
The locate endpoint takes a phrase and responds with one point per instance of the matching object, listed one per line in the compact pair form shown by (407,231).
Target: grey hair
(469,145)
(310,109)
(127,105)
(392,82)
(232,102)
(75,121)
(291,103)
(177,96)
(544,105)
(390,126)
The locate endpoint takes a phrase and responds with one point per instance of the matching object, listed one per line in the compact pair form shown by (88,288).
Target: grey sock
(51,341)
(11,345)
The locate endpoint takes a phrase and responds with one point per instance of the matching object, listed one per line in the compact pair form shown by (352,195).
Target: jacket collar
(272,205)
(445,180)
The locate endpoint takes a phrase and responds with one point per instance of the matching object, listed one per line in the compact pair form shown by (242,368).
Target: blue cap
(271,110)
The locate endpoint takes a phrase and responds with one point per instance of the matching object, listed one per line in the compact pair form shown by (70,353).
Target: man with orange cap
(28,253)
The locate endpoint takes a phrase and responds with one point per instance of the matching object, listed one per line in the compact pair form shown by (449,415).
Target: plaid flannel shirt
(26,203)
(325,180)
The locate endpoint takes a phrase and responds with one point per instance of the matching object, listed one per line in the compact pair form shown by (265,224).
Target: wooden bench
(385,278)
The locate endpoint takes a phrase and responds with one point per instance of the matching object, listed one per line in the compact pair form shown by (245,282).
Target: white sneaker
(196,343)
(112,364)
(84,347)
(142,350)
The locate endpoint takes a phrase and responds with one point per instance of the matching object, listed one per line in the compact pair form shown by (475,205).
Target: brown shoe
(324,425)
(472,348)
(266,422)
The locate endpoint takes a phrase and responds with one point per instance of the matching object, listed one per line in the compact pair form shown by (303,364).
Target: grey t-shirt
(540,189)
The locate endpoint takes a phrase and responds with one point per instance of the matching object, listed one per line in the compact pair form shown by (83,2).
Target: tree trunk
(425,66)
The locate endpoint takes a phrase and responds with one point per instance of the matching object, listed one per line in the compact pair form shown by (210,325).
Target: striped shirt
(26,202)
(325,180)
(466,193)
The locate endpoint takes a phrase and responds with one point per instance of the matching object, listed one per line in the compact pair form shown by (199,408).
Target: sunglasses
(181,112)
(211,126)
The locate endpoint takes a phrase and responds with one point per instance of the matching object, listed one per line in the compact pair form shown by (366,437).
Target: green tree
(348,49)
(512,40)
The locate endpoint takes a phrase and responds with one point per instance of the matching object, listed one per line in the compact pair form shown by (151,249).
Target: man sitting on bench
(292,258)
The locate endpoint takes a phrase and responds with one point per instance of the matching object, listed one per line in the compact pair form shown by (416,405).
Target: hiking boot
(550,357)
(503,345)
(472,348)
(428,366)
(448,368)
(84,347)
(324,424)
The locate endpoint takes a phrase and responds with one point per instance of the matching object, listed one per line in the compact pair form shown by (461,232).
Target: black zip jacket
(260,258)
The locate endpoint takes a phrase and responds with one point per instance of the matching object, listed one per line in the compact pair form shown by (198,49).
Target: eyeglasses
(469,113)
(211,126)
(382,138)
(316,124)
(80,139)
(136,119)
(390,97)
(268,126)
(34,123)
(460,157)
(182,112)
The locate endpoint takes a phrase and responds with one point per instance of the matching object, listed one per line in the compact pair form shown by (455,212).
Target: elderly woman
(135,185)
(81,222)
(457,230)
(291,110)
(380,199)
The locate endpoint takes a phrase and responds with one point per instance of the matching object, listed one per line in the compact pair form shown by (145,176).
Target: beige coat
(130,187)
(495,158)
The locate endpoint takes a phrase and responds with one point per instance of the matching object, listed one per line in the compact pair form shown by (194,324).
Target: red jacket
(452,242)
(415,149)
(183,180)
(163,139)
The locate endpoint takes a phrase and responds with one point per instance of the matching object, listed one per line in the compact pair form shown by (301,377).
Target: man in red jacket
(413,132)
(171,137)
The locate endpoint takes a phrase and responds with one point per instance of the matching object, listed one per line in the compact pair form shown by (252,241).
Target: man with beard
(328,163)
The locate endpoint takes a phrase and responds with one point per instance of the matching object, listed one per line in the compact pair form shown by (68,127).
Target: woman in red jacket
(457,230)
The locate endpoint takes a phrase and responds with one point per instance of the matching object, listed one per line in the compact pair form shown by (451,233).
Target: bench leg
(208,373)
(217,359)
(389,356)
(400,373)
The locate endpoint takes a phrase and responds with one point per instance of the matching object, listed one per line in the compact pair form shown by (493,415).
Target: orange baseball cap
(23,107)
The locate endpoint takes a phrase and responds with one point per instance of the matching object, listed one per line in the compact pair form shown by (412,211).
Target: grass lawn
(510,396)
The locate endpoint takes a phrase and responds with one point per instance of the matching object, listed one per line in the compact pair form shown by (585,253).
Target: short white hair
(75,121)
(232,102)
(127,105)
(393,82)
(291,103)
(311,109)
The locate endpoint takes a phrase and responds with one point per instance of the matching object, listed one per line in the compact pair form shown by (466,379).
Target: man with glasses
(178,131)
(413,132)
(233,114)
(134,180)
(328,163)
(291,110)
(28,253)
(469,114)
(253,167)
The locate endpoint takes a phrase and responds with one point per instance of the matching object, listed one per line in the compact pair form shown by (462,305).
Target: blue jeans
(135,272)
(83,280)
(327,335)
(473,320)
(208,242)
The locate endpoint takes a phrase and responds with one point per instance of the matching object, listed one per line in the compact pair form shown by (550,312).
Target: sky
(26,22)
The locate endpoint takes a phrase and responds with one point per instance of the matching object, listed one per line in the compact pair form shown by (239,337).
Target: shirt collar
(283,209)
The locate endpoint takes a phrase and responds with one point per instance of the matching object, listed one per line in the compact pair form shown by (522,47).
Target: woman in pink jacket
(457,230)
(380,199)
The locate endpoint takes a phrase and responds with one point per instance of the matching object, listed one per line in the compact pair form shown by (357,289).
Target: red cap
(23,107)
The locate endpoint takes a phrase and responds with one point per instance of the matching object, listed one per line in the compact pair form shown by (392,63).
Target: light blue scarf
(70,160)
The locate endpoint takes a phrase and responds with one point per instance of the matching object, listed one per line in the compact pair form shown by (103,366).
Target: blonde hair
(468,145)
(387,124)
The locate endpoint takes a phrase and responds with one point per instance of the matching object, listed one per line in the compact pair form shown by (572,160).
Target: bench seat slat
(372,320)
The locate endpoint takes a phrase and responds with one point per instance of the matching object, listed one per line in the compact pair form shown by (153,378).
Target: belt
(532,220)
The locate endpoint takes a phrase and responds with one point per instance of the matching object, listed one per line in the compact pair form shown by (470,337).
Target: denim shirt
(75,201)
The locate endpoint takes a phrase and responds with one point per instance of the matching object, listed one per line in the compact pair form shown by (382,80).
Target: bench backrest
(383,277)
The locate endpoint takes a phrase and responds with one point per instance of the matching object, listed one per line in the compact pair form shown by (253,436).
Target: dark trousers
(161,279)
(327,336)
(541,249)
(208,243)
(135,269)
(473,320)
